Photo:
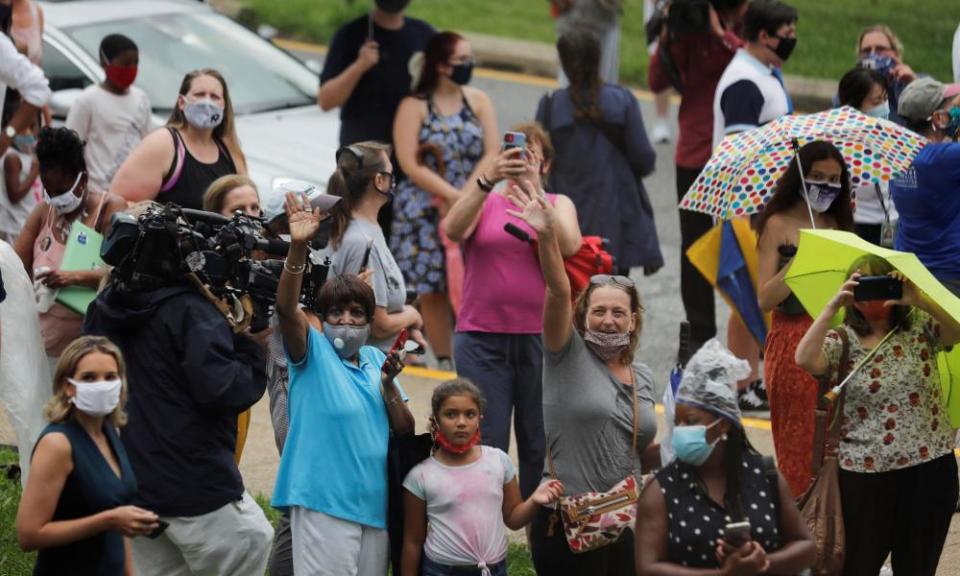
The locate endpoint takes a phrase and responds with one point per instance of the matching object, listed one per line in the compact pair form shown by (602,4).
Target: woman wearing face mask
(199,145)
(898,474)
(364,181)
(792,393)
(595,393)
(342,390)
(42,242)
(926,195)
(879,49)
(875,217)
(114,116)
(75,507)
(498,340)
(717,479)
(459,119)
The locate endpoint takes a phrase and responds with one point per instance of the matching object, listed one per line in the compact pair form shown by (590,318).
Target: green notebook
(82,252)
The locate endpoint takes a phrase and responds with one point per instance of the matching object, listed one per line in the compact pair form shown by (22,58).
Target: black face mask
(392,6)
(785,48)
(462,73)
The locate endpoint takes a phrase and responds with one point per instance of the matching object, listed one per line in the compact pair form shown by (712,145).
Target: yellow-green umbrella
(820,268)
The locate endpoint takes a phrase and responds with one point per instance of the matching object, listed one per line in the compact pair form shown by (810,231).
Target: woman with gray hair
(719,504)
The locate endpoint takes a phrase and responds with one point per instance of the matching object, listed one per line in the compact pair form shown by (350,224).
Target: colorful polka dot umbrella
(745,167)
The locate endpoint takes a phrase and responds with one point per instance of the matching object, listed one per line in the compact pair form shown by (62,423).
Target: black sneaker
(760,389)
(750,401)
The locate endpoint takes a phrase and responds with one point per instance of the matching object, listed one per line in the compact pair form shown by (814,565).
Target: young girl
(18,193)
(459,491)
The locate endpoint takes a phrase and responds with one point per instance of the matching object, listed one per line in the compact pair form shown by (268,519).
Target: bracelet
(294,269)
(484,184)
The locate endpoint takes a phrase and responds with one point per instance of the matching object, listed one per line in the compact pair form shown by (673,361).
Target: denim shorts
(431,568)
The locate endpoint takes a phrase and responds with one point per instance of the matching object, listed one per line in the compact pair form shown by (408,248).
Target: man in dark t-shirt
(365,72)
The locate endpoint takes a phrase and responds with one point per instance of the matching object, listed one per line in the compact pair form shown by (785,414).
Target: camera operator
(696,59)
(191,376)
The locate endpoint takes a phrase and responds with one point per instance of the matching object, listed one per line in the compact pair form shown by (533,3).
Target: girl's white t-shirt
(464,508)
(14,215)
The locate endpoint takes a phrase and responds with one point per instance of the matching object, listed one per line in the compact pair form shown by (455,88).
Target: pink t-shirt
(503,288)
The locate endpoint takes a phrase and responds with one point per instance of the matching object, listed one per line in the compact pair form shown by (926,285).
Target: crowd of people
(150,374)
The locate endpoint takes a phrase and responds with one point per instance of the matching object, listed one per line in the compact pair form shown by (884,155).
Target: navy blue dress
(91,487)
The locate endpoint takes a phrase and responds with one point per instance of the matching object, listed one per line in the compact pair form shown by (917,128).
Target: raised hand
(304,223)
(844,297)
(392,366)
(912,296)
(508,165)
(534,207)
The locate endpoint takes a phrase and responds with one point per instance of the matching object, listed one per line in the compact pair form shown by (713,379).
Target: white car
(282,131)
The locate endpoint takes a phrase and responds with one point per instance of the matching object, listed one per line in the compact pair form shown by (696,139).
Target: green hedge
(828,28)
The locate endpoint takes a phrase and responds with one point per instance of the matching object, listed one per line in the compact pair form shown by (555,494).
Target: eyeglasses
(871,50)
(391,176)
(607,279)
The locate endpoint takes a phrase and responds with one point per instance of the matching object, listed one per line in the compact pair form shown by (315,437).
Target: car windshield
(261,77)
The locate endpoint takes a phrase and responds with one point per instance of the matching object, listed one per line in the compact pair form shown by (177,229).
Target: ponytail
(357,165)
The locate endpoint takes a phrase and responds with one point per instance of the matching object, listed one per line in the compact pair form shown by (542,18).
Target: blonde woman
(76,505)
(232,193)
(198,146)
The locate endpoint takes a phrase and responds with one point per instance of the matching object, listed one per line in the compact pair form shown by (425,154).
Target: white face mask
(96,398)
(68,201)
(203,114)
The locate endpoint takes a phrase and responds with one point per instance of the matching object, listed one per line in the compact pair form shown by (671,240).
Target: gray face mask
(203,114)
(346,339)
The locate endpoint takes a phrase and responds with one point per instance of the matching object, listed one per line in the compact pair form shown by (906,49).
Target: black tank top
(188,178)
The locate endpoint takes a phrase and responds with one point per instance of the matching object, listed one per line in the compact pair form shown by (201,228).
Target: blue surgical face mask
(879,111)
(953,128)
(690,443)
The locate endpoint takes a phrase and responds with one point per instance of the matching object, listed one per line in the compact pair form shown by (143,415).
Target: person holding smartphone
(720,504)
(364,181)
(344,403)
(76,506)
(497,342)
(898,474)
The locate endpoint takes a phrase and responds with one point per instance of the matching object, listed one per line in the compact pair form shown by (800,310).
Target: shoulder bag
(592,520)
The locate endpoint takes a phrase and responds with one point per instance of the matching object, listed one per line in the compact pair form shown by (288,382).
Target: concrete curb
(539,58)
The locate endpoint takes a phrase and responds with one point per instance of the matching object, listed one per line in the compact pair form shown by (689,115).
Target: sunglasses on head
(606,279)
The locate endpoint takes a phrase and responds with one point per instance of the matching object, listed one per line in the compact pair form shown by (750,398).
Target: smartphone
(400,342)
(514,140)
(877,288)
(161,526)
(737,534)
(366,256)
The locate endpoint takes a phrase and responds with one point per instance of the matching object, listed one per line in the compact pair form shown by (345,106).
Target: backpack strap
(176,166)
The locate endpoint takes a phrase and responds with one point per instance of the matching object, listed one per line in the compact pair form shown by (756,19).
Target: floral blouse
(893,415)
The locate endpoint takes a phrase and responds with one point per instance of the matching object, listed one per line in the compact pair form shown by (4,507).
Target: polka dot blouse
(695,521)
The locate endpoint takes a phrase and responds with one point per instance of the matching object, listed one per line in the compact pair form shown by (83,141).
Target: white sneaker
(661,132)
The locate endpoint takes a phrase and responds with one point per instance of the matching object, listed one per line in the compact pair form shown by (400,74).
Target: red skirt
(792,394)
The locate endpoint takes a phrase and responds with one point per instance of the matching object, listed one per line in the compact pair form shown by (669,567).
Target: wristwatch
(484,184)
(10,131)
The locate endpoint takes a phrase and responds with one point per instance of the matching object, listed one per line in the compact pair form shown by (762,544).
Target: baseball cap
(922,97)
(272,202)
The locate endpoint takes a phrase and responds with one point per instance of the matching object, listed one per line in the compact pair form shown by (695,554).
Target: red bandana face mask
(121,76)
(874,310)
(452,448)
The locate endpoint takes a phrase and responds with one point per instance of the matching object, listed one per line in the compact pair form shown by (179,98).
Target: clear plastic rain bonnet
(710,381)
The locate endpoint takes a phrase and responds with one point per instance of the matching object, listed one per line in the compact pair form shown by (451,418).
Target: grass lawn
(828,28)
(14,562)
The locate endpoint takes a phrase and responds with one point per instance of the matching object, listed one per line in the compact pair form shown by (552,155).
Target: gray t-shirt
(388,287)
(588,418)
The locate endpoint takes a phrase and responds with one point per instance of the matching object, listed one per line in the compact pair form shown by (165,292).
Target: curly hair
(60,149)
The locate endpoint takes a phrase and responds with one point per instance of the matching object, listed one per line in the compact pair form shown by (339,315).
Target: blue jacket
(188,378)
(604,179)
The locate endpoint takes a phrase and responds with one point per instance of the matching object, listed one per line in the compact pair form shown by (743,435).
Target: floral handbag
(591,520)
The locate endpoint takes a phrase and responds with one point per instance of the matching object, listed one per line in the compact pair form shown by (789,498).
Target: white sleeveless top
(746,67)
